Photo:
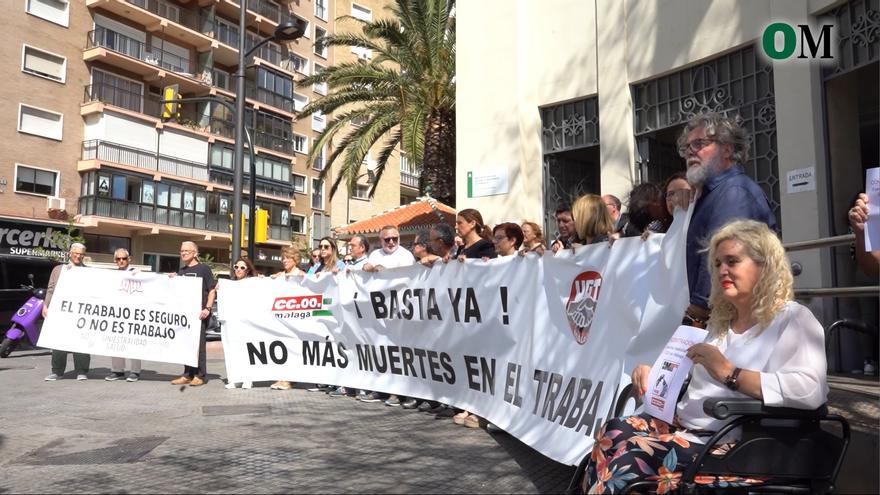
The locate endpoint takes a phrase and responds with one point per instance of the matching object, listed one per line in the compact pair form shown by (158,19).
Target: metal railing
(269,97)
(111,40)
(122,98)
(408,179)
(838,240)
(273,142)
(125,155)
(139,212)
(172,12)
(224,177)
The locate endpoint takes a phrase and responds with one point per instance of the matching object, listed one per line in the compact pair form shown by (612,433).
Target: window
(300,144)
(317,193)
(299,102)
(43,64)
(320,88)
(320,48)
(57,11)
(361,191)
(298,223)
(106,244)
(321,9)
(32,180)
(299,183)
(319,122)
(361,13)
(222,80)
(33,120)
(318,163)
(117,90)
(299,64)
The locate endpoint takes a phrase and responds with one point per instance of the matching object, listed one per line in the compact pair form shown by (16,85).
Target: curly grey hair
(727,130)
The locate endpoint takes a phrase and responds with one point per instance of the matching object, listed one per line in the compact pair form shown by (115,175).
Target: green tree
(404,96)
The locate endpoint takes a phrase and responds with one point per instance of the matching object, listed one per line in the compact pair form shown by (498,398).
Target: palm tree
(404,97)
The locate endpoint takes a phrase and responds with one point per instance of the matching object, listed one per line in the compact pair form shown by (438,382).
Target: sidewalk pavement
(150,436)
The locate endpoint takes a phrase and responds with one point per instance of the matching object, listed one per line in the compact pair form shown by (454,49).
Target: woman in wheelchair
(761,344)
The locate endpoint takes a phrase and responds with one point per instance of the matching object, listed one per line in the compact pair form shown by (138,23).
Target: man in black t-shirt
(191,267)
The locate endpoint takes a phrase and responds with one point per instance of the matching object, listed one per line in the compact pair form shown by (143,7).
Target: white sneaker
(230,386)
(869,368)
(247,385)
(81,377)
(51,378)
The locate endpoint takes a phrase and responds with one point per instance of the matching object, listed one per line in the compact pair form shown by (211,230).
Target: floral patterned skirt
(643,448)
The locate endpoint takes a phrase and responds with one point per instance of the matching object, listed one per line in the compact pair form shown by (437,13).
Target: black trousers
(202,370)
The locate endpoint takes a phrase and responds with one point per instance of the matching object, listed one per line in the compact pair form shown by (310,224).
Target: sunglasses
(391,239)
(240,267)
(326,246)
(122,259)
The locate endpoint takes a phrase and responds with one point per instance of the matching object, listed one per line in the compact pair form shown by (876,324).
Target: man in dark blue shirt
(715,146)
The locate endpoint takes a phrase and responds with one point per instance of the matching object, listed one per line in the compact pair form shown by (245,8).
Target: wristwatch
(731,381)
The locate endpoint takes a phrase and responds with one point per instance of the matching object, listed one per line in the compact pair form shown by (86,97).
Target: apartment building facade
(88,140)
(400,180)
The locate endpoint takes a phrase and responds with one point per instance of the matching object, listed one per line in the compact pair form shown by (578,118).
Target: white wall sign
(802,179)
(487,182)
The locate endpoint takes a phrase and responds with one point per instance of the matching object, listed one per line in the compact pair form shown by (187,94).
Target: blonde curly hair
(775,284)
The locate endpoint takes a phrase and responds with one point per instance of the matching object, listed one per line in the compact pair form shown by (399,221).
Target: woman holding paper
(242,268)
(761,344)
(289,257)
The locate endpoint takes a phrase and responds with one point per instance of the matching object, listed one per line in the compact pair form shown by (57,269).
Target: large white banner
(535,345)
(125,314)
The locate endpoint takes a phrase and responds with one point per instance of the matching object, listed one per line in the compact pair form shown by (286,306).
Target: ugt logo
(581,305)
(780,41)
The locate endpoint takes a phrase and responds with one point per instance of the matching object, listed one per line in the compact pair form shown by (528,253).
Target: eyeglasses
(499,238)
(695,145)
(122,259)
(240,267)
(325,246)
(389,240)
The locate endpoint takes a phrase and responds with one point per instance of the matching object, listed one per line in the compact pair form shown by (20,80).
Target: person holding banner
(392,253)
(761,344)
(469,224)
(592,222)
(358,247)
(242,268)
(189,258)
(507,238)
(59,358)
(117,364)
(328,261)
(565,225)
(441,241)
(289,270)
(533,238)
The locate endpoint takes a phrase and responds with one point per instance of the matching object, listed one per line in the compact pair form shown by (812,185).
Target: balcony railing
(272,142)
(265,9)
(106,38)
(270,98)
(116,153)
(408,179)
(170,11)
(222,127)
(139,212)
(123,98)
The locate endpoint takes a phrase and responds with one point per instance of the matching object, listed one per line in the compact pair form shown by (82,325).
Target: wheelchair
(787,447)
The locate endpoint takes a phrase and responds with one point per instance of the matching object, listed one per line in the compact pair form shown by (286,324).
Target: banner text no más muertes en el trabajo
(537,346)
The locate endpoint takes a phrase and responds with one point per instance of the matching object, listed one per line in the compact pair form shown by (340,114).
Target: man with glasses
(392,253)
(59,358)
(441,240)
(715,147)
(117,366)
(189,258)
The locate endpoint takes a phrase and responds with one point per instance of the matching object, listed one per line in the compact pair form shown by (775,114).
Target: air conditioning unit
(55,203)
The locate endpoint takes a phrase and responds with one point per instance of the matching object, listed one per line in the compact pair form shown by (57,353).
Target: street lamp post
(286,31)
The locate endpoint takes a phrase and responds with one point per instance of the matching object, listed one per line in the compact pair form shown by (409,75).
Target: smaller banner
(124,314)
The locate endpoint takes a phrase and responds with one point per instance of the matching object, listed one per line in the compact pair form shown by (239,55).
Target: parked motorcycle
(25,321)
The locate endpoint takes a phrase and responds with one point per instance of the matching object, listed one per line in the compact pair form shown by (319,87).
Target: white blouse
(789,354)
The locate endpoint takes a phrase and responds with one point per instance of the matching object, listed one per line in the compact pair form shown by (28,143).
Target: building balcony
(410,180)
(113,153)
(261,139)
(149,213)
(270,98)
(176,22)
(260,15)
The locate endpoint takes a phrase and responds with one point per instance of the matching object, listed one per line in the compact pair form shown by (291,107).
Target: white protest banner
(125,314)
(669,372)
(535,345)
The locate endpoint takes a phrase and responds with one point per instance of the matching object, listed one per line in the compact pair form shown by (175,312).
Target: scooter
(25,321)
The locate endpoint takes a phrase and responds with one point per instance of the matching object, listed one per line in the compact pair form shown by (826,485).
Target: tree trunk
(438,165)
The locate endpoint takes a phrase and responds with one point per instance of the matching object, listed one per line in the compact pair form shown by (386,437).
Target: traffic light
(261,228)
(170,108)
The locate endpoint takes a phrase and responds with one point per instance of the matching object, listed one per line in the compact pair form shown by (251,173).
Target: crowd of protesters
(729,209)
